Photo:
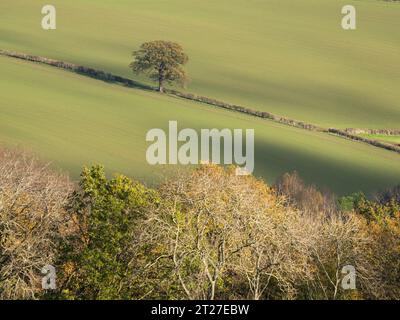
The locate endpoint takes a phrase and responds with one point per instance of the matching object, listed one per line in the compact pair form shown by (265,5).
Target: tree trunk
(160,85)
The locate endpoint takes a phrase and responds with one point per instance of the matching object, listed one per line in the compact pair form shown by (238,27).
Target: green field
(73,120)
(383,137)
(291,58)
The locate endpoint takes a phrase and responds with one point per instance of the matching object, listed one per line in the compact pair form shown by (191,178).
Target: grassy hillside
(74,120)
(288,57)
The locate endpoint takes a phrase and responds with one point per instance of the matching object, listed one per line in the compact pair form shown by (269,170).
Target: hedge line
(256,113)
(93,73)
(105,76)
(387,132)
(387,146)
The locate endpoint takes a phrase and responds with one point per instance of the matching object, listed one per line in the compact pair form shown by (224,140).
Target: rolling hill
(291,58)
(73,120)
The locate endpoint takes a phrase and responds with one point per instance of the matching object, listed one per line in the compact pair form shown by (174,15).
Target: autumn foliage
(202,234)
(33,222)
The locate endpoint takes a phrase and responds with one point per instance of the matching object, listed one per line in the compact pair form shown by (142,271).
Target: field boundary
(108,77)
(384,132)
(375,143)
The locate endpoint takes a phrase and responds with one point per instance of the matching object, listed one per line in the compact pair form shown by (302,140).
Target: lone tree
(162,61)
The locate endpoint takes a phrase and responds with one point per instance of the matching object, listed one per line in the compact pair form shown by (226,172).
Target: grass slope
(291,58)
(75,120)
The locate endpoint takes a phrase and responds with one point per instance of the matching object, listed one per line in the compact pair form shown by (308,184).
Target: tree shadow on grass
(110,78)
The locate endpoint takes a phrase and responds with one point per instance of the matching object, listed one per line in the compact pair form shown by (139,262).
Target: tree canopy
(162,61)
(202,234)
